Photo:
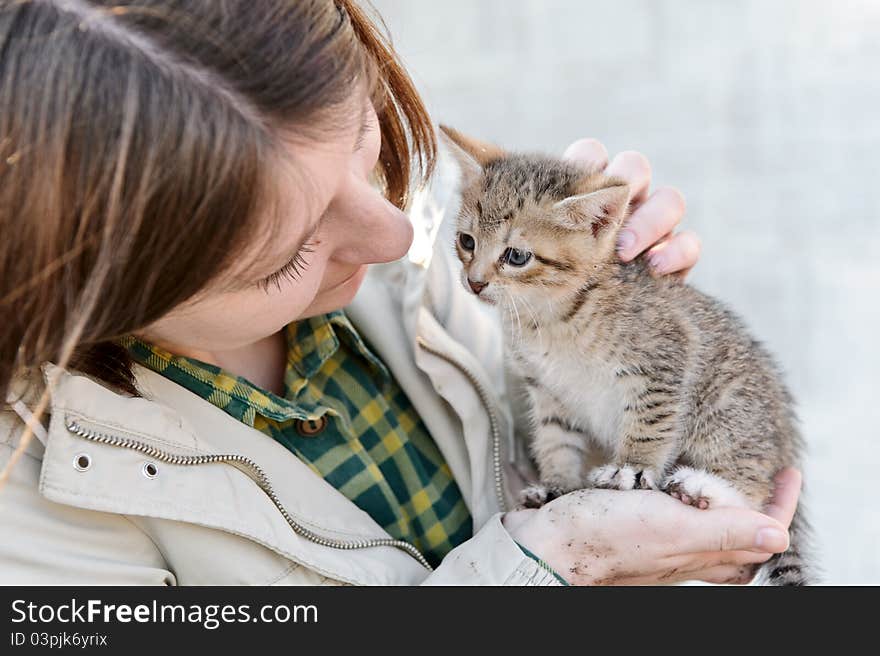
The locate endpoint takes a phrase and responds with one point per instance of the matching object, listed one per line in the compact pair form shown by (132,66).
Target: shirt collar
(311,342)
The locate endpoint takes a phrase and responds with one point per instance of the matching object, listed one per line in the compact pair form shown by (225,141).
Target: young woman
(191,193)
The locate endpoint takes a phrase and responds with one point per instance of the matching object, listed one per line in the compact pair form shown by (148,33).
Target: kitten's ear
(601,210)
(471,154)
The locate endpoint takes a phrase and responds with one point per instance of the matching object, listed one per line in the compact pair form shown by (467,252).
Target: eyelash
(293,270)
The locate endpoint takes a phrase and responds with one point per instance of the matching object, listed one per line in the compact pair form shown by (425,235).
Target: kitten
(664,381)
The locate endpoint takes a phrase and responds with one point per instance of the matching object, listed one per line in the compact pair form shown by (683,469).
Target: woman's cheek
(270,310)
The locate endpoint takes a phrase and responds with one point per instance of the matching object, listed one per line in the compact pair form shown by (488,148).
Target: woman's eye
(466,241)
(516,257)
(290,271)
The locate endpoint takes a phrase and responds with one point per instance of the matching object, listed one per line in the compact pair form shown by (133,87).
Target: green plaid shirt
(345,416)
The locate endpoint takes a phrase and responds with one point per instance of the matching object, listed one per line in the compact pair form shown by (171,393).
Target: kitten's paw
(701,489)
(535,496)
(626,477)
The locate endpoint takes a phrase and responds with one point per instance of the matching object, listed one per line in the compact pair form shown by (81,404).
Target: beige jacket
(168,489)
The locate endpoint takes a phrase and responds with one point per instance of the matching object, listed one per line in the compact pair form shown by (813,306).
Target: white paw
(534,496)
(699,488)
(612,477)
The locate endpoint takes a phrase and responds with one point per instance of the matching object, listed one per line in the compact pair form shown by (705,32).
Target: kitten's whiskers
(515,308)
(535,322)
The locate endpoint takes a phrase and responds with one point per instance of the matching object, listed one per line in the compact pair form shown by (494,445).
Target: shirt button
(310,428)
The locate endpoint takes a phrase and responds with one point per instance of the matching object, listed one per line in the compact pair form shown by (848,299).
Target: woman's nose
(365,228)
(477,286)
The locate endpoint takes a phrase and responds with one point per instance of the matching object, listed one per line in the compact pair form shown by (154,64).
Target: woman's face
(335,224)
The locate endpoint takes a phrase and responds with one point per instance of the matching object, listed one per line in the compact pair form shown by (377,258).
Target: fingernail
(625,242)
(658,262)
(771,540)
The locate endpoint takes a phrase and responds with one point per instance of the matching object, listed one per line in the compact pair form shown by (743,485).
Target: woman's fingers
(656,217)
(726,574)
(785,498)
(588,152)
(635,169)
(689,562)
(721,574)
(630,166)
(675,254)
(712,566)
(730,529)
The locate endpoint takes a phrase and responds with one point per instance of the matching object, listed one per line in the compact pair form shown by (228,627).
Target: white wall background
(766,114)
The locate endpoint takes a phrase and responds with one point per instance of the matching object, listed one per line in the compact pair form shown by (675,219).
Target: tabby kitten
(663,381)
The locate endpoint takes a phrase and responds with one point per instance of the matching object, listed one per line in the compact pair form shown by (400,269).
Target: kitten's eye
(516,257)
(466,241)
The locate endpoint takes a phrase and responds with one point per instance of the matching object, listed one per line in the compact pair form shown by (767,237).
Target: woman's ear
(471,154)
(602,211)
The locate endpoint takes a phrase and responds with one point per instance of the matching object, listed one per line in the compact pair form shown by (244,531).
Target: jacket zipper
(256,474)
(490,409)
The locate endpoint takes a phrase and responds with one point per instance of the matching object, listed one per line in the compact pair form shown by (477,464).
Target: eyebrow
(362,130)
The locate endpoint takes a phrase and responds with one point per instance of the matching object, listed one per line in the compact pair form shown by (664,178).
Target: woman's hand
(654,216)
(606,537)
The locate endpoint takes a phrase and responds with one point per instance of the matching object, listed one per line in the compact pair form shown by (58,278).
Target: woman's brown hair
(137,139)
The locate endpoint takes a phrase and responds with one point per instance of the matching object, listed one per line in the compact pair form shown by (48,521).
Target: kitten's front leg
(558,446)
(650,437)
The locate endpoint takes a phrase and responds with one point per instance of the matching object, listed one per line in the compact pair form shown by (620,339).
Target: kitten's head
(532,227)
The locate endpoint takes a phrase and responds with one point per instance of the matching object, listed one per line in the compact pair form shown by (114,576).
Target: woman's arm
(605,537)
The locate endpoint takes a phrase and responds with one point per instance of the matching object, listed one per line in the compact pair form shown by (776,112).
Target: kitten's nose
(477,286)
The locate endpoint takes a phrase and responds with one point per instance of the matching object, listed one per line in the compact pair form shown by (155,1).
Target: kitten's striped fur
(661,380)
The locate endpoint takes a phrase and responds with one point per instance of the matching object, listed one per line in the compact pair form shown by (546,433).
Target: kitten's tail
(795,565)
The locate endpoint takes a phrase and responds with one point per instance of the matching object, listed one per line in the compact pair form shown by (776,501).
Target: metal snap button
(310,428)
(150,470)
(82,462)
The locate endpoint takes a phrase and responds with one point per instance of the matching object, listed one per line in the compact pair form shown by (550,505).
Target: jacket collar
(213,495)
